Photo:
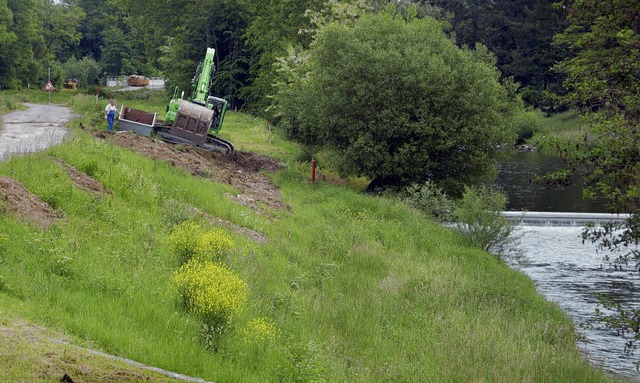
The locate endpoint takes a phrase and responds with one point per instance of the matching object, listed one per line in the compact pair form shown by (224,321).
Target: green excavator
(195,121)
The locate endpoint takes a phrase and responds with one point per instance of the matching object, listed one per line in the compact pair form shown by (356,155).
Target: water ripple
(571,274)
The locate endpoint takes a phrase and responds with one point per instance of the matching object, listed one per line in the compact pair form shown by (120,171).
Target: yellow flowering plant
(184,239)
(210,291)
(213,246)
(259,331)
(190,241)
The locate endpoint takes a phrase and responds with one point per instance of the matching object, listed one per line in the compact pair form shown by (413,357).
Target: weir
(544,218)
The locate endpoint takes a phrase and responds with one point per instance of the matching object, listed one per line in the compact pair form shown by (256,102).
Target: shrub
(527,124)
(211,292)
(87,70)
(430,199)
(190,241)
(330,95)
(213,246)
(478,215)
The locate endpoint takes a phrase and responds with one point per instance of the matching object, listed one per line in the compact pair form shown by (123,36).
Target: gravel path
(130,362)
(34,129)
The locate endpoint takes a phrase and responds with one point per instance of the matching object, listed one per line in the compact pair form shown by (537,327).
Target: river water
(516,180)
(571,273)
(566,271)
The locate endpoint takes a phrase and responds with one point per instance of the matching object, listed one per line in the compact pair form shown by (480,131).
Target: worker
(110,114)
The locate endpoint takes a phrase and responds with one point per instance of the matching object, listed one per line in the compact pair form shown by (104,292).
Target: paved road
(34,129)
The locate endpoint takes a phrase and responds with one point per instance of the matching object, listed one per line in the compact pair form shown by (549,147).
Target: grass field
(358,288)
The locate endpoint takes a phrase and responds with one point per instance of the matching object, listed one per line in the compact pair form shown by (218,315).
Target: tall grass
(357,288)
(565,125)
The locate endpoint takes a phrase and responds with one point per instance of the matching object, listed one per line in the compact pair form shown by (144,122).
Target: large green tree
(173,35)
(59,25)
(7,39)
(23,56)
(274,26)
(603,82)
(399,102)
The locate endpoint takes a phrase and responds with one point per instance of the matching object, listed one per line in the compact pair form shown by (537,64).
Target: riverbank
(359,288)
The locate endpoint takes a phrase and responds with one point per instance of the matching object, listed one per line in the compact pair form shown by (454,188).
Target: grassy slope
(361,288)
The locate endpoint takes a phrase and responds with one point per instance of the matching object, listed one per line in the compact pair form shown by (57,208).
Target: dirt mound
(82,180)
(241,170)
(21,204)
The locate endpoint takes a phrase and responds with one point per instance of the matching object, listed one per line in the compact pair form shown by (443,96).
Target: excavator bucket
(137,121)
(192,122)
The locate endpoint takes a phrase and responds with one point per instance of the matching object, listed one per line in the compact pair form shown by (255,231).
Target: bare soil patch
(21,204)
(82,180)
(241,170)
(252,235)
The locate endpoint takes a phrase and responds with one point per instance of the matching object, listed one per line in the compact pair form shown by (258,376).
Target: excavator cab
(219,107)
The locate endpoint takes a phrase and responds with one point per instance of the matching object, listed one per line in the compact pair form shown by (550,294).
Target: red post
(313,171)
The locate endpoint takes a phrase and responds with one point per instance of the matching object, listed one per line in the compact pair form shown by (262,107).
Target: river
(515,179)
(571,274)
(565,270)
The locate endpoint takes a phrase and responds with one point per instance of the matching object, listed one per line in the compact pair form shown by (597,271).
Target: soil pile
(21,204)
(241,170)
(82,180)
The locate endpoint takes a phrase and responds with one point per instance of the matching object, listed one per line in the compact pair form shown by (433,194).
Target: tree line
(93,39)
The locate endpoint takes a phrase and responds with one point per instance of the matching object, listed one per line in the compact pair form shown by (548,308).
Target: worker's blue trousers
(110,118)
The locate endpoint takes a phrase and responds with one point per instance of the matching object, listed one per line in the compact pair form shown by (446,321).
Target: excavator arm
(201,82)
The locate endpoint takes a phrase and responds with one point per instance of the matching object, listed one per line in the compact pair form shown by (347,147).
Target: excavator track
(223,144)
(212,143)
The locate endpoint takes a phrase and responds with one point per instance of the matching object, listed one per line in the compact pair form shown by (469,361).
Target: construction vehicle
(194,121)
(135,80)
(70,84)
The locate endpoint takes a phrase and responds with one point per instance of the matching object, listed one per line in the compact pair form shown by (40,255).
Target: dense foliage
(399,102)
(603,82)
(519,33)
(167,37)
